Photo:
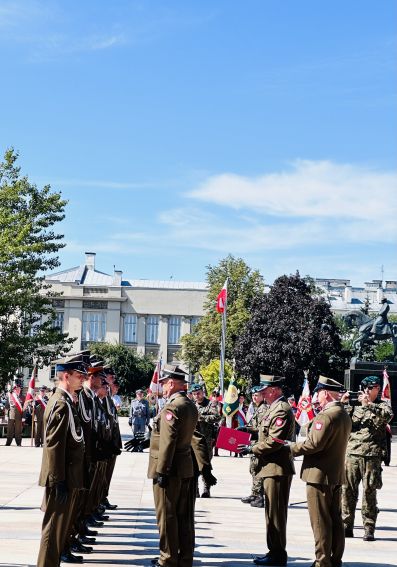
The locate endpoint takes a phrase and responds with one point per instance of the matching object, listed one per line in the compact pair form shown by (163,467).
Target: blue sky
(180,131)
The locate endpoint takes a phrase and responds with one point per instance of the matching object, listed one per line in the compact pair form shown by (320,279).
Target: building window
(92,304)
(193,322)
(58,321)
(174,330)
(152,329)
(58,302)
(95,290)
(130,323)
(94,327)
(172,354)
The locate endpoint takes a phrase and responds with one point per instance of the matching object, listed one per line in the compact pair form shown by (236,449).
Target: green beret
(371,381)
(195,388)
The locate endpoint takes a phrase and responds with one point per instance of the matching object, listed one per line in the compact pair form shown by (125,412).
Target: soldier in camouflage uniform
(208,417)
(255,499)
(365,451)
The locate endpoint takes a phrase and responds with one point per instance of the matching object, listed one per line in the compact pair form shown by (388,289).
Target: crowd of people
(77,424)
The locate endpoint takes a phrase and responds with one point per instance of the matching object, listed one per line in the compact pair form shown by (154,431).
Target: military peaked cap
(371,381)
(70,363)
(95,365)
(108,368)
(325,383)
(270,380)
(173,371)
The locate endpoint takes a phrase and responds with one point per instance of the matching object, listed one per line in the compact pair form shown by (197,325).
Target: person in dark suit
(62,468)
(323,470)
(171,468)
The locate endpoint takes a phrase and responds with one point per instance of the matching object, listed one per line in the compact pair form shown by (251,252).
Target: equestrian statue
(371,330)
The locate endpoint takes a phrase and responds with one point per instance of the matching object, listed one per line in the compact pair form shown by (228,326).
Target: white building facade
(152,316)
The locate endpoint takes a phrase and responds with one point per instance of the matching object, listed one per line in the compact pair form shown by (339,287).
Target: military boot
(349,532)
(257,502)
(368,535)
(248,499)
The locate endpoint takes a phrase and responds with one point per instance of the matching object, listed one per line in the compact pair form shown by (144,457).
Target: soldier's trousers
(368,471)
(39,433)
(175,521)
(324,505)
(57,523)
(257,483)
(109,473)
(276,491)
(14,429)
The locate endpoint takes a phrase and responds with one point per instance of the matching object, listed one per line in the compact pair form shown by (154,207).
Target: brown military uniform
(253,427)
(323,470)
(14,426)
(276,469)
(170,454)
(208,418)
(63,461)
(39,409)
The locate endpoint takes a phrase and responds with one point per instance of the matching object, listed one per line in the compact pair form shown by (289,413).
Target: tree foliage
(210,374)
(28,248)
(133,370)
(290,331)
(203,344)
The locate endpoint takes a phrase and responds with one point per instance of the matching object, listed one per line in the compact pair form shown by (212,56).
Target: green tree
(203,344)
(28,248)
(133,370)
(290,331)
(210,374)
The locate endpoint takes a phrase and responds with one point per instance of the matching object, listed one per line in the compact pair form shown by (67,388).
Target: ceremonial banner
(229,439)
(386,394)
(305,412)
(156,388)
(32,384)
(230,404)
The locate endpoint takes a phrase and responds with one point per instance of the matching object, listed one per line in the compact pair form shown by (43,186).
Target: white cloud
(321,189)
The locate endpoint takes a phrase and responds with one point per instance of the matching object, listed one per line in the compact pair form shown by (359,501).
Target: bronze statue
(371,330)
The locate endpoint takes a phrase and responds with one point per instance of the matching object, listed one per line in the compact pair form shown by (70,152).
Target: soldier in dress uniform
(171,468)
(323,470)
(275,467)
(365,450)
(15,406)
(208,419)
(62,469)
(255,499)
(40,404)
(139,414)
(115,428)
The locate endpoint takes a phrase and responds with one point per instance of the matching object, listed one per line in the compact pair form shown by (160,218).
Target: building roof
(83,276)
(168,284)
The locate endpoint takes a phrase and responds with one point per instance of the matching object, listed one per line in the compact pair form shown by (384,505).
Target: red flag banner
(156,388)
(305,412)
(32,384)
(221,299)
(386,393)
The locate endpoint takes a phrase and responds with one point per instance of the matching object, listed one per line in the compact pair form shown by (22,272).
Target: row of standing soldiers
(82,441)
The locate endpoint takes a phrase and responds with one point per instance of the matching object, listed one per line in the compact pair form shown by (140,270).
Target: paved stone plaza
(229,533)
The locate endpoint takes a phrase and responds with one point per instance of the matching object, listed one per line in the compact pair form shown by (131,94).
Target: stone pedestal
(359,369)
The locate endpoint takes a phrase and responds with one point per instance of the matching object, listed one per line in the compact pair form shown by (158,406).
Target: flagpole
(32,434)
(223,347)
